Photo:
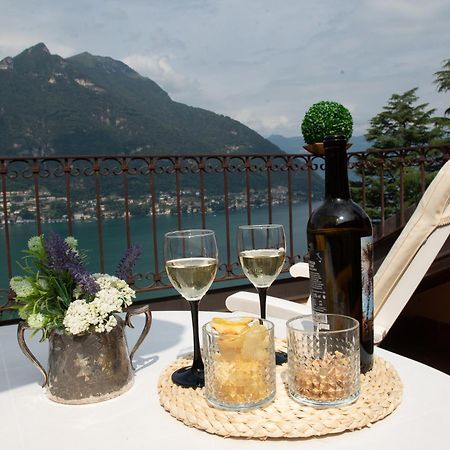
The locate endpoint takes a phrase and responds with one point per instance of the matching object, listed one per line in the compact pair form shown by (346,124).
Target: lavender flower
(125,267)
(61,257)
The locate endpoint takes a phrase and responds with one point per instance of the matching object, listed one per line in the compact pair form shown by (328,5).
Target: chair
(401,271)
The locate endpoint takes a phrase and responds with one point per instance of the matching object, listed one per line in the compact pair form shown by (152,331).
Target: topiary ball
(326,118)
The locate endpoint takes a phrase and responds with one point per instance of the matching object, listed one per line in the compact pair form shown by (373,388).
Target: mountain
(288,144)
(295,144)
(90,104)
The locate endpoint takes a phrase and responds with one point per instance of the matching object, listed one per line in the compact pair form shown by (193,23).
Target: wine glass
(261,250)
(191,264)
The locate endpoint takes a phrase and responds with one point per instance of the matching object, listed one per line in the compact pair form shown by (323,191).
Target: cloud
(259,61)
(13,43)
(265,121)
(156,67)
(407,9)
(160,70)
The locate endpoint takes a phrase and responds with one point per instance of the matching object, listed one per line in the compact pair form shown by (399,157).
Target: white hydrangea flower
(79,317)
(21,286)
(107,326)
(112,296)
(36,321)
(35,244)
(107,301)
(111,323)
(121,287)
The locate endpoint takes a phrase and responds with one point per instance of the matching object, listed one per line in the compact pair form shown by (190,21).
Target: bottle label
(367,282)
(317,286)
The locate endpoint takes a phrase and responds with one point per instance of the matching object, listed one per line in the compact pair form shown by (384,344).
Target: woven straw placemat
(381,393)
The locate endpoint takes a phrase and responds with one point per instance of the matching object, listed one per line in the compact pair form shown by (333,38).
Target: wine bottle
(341,252)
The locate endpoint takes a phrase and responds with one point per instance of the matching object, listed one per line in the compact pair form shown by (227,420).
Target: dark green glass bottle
(341,252)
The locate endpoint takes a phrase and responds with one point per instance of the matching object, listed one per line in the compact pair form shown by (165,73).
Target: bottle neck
(336,175)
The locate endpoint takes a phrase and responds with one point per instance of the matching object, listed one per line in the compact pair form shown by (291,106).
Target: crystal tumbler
(239,360)
(323,360)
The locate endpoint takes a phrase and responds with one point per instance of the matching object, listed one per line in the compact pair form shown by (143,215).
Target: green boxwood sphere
(326,118)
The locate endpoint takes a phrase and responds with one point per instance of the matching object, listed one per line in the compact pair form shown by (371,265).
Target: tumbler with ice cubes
(239,360)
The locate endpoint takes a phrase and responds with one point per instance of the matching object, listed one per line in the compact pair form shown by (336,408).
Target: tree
(443,79)
(404,123)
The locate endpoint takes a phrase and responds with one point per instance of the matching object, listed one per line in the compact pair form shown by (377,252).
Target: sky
(262,62)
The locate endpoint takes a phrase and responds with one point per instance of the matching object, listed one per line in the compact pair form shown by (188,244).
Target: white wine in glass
(192,277)
(191,264)
(262,266)
(262,250)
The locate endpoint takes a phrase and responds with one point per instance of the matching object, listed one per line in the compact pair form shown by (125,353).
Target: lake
(114,237)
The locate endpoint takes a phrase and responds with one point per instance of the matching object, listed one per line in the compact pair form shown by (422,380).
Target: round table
(28,420)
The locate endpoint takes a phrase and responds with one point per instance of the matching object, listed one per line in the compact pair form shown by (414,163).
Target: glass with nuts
(323,360)
(239,362)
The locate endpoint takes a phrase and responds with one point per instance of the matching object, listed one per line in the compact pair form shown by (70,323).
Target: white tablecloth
(28,420)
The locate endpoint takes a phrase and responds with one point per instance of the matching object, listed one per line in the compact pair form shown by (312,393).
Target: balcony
(110,201)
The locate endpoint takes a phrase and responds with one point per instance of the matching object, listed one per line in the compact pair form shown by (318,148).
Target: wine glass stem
(262,301)
(197,363)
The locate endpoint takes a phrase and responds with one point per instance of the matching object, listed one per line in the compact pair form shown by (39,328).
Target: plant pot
(91,367)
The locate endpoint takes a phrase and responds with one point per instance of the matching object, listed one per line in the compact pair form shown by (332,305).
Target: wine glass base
(189,377)
(280,358)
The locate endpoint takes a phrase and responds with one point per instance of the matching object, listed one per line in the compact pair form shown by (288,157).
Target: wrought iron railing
(114,201)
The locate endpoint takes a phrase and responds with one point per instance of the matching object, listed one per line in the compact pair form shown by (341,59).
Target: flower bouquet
(78,312)
(58,293)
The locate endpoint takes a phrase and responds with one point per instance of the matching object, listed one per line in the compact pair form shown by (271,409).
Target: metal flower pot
(91,367)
